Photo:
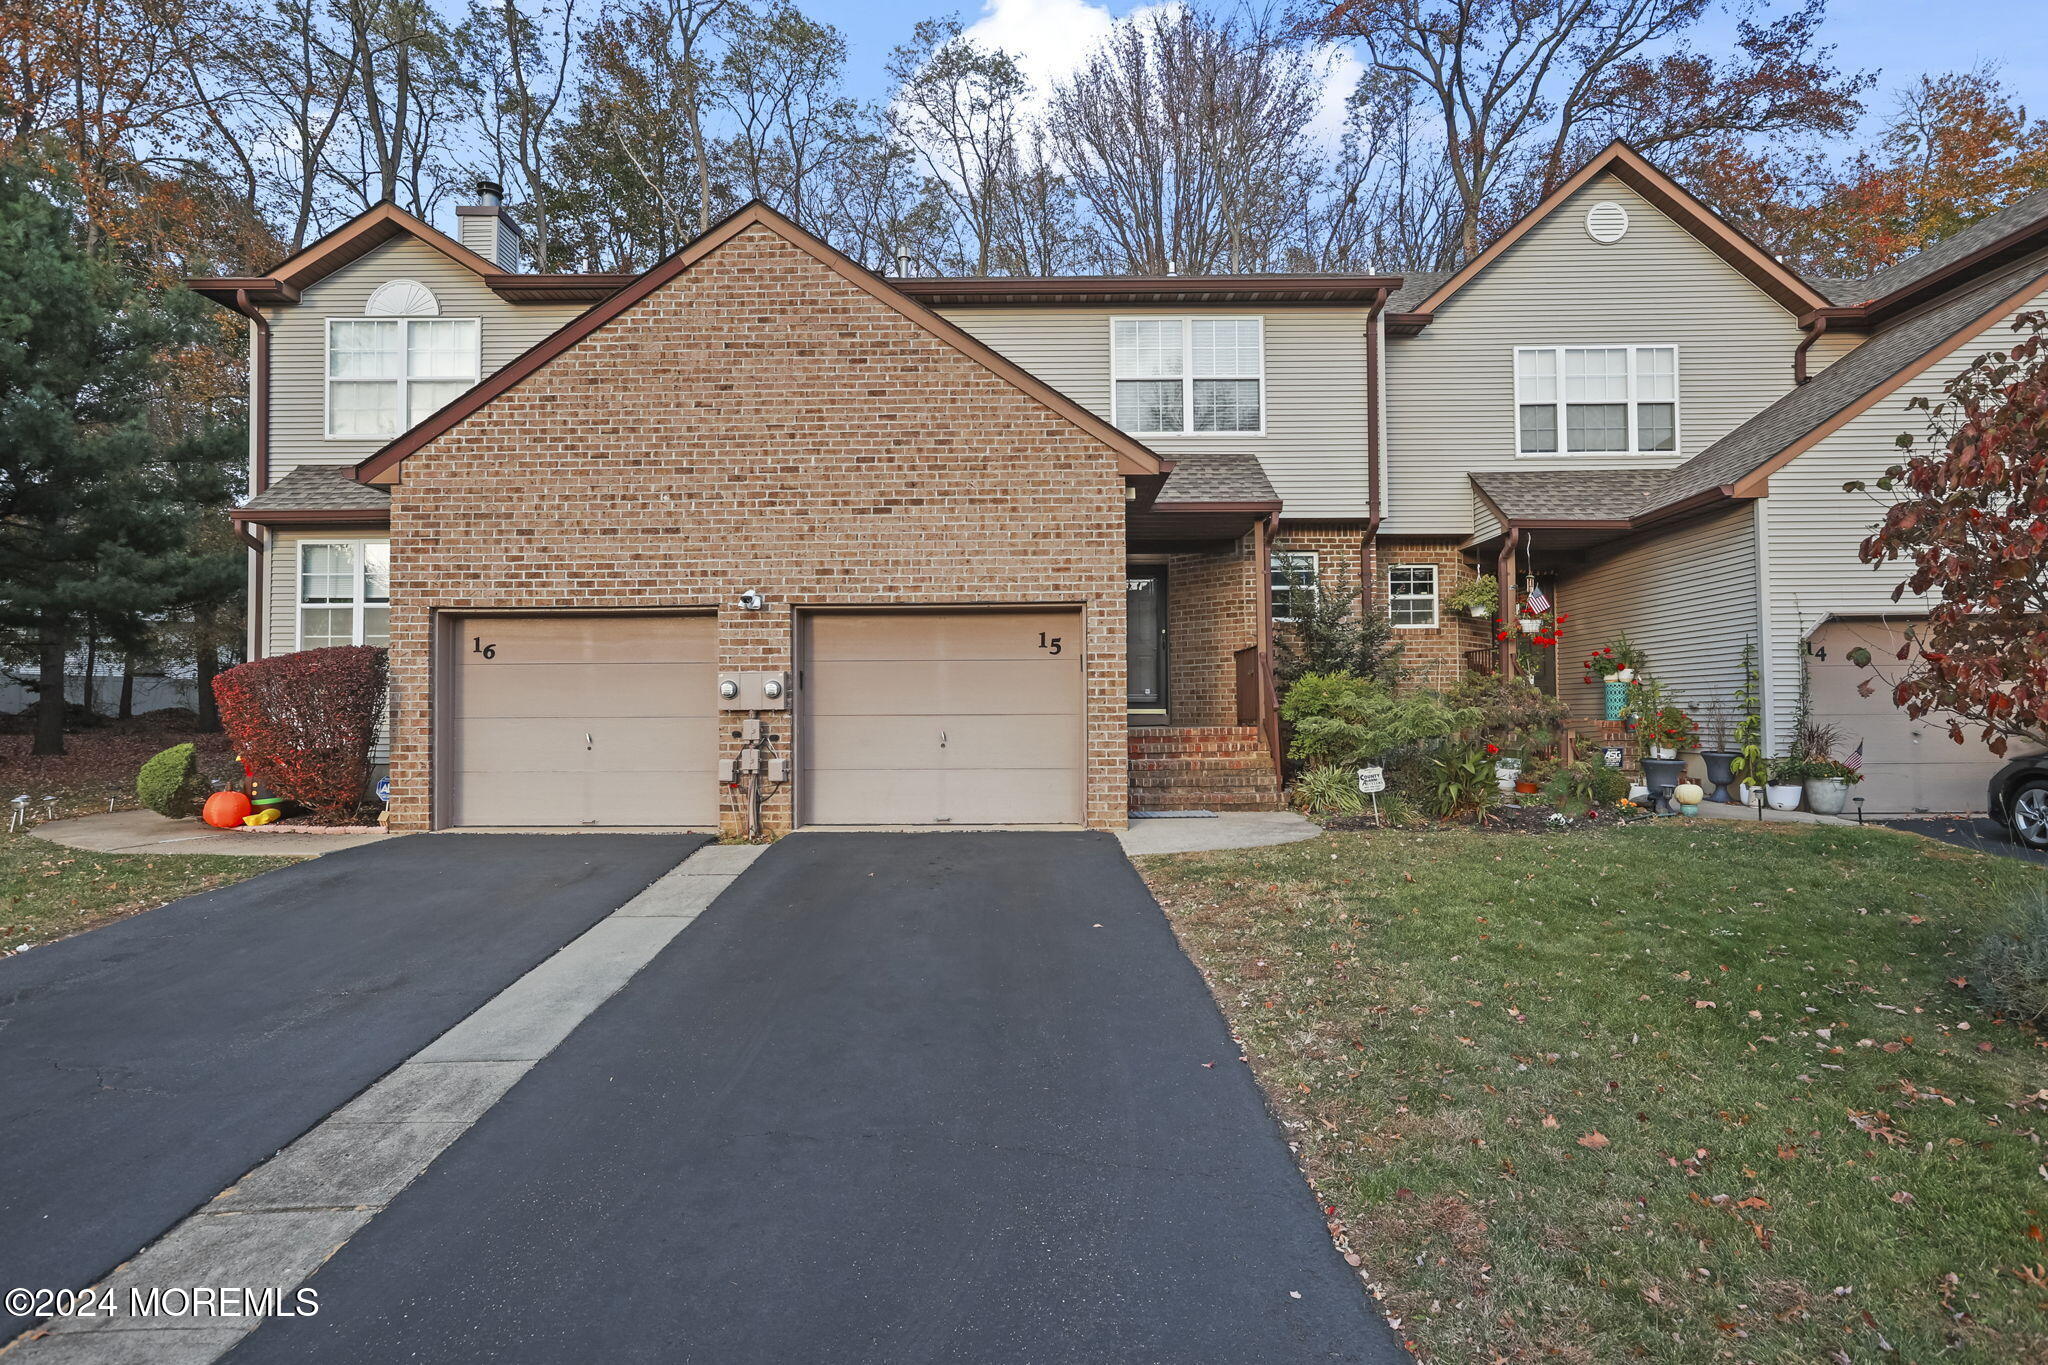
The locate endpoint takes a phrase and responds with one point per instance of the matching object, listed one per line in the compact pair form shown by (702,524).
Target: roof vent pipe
(1172,269)
(490,193)
(903,265)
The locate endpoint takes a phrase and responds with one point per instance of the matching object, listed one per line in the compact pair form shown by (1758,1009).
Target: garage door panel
(670,800)
(612,689)
(903,796)
(925,635)
(1009,796)
(897,687)
(581,721)
(607,744)
(588,639)
(889,742)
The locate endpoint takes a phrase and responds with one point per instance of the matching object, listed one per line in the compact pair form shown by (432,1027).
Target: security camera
(752,600)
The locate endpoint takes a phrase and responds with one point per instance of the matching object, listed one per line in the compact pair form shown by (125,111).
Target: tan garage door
(947,718)
(1908,765)
(581,720)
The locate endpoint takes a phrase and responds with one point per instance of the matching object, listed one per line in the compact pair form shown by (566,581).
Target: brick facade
(1212,611)
(758,422)
(1434,656)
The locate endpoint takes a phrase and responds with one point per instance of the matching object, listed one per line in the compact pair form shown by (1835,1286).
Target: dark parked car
(2019,800)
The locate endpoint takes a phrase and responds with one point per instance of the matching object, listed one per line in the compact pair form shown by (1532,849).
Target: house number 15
(1050,645)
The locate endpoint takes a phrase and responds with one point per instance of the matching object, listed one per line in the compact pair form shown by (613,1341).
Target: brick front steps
(1208,767)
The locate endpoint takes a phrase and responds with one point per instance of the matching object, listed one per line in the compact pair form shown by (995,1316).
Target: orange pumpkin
(224,810)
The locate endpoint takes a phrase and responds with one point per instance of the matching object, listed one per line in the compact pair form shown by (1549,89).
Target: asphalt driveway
(146,1065)
(893,1098)
(1975,832)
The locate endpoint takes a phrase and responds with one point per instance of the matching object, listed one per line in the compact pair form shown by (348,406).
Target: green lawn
(1696,1091)
(48,891)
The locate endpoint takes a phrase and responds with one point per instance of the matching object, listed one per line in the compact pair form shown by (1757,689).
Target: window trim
(1634,431)
(328,381)
(1188,376)
(1315,575)
(1436,598)
(358,606)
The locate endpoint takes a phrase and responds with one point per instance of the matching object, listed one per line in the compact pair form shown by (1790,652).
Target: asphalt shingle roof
(319,488)
(2017,216)
(1216,476)
(1416,285)
(1571,495)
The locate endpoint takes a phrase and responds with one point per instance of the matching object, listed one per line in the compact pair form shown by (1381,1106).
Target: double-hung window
(344,593)
(1576,400)
(1200,375)
(1411,595)
(387,374)
(1294,584)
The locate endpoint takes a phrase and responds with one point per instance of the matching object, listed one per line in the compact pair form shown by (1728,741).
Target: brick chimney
(486,230)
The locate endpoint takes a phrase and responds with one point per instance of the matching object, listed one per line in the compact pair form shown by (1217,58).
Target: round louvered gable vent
(1607,221)
(402,299)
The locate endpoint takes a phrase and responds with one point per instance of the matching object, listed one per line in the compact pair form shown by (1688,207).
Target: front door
(1145,624)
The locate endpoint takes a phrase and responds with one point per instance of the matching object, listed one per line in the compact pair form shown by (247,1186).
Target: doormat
(1173,815)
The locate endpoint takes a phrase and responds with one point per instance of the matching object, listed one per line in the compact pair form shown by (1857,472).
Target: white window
(1201,375)
(1411,595)
(387,374)
(1294,584)
(344,593)
(1575,400)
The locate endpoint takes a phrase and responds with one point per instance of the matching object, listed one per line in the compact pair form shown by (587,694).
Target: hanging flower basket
(1531,624)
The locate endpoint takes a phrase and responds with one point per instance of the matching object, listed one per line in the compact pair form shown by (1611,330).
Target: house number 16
(477,646)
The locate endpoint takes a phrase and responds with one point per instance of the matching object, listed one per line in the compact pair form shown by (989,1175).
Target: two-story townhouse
(1010,551)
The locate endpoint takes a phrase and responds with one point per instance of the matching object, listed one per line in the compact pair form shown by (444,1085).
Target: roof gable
(1133,458)
(1662,193)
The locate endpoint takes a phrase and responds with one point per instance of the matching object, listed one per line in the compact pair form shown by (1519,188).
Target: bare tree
(1521,88)
(1188,136)
(517,66)
(400,54)
(959,106)
(781,85)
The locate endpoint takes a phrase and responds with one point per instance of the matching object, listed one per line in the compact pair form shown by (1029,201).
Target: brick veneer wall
(758,422)
(1212,611)
(1433,657)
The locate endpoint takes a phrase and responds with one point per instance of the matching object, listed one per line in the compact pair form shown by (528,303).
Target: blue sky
(1898,38)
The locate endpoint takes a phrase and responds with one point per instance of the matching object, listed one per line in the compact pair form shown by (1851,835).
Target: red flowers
(1493,748)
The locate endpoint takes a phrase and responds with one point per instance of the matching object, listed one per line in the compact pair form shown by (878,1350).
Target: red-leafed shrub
(304,723)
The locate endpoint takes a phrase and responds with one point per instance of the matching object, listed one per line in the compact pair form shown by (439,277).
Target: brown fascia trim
(1755,264)
(300,516)
(975,291)
(1260,510)
(1134,458)
(590,288)
(1654,516)
(1993,254)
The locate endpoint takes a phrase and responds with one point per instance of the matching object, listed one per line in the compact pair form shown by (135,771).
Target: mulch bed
(1525,819)
(102,761)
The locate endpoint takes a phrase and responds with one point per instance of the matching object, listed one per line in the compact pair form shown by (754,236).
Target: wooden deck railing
(1258,701)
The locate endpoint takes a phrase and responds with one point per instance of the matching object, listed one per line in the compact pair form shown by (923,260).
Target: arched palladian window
(401,360)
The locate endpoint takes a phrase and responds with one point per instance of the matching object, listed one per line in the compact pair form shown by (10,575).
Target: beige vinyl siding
(298,395)
(1832,346)
(280,616)
(1813,527)
(1451,389)
(1314,399)
(1485,525)
(1687,596)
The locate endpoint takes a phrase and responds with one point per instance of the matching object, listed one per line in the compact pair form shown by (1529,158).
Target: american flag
(1538,603)
(1854,762)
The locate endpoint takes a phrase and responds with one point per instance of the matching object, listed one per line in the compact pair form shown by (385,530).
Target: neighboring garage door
(581,720)
(1908,765)
(941,718)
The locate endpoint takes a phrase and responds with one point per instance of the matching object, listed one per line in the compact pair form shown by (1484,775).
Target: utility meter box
(753,691)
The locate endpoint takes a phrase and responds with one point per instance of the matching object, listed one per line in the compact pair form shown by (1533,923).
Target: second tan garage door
(580,720)
(946,718)
(1908,765)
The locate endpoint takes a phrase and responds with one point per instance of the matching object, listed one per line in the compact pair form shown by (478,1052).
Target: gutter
(1816,326)
(259,369)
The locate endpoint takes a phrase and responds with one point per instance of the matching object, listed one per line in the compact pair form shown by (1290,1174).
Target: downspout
(1374,414)
(259,478)
(1269,691)
(1813,334)
(1504,570)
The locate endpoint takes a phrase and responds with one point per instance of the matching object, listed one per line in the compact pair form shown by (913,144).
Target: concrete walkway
(1722,811)
(144,831)
(1234,829)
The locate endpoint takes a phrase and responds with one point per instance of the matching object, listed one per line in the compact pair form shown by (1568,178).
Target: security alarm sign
(1371,780)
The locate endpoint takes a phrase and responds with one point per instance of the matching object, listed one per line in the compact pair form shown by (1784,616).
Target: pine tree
(97,489)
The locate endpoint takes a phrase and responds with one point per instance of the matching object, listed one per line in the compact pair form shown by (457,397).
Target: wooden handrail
(1258,699)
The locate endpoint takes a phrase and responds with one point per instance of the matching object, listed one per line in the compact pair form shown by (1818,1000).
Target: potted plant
(1750,766)
(1615,667)
(1539,631)
(1669,730)
(1714,750)
(1536,771)
(1786,782)
(1827,786)
(1478,597)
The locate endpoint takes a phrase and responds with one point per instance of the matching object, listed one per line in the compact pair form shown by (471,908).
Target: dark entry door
(1145,622)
